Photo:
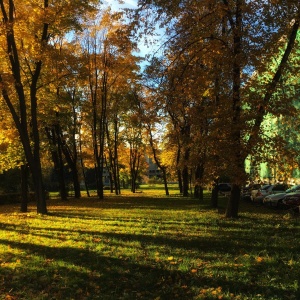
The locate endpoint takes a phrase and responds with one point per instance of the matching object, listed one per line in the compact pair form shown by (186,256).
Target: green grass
(145,247)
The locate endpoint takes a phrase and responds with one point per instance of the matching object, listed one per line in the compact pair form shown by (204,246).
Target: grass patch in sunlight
(144,247)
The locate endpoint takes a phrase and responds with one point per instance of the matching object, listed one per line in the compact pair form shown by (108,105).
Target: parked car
(224,188)
(276,199)
(259,194)
(247,190)
(278,188)
(292,200)
(294,188)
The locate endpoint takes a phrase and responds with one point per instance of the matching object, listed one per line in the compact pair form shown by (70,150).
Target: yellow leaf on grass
(259,259)
(194,270)
(9,297)
(170,258)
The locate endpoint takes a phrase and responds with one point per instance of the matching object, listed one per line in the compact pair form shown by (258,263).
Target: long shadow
(221,241)
(126,279)
(103,277)
(144,202)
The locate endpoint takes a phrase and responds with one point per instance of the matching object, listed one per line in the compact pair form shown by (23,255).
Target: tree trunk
(185,181)
(75,177)
(235,139)
(215,195)
(83,168)
(71,160)
(134,162)
(179,178)
(61,175)
(157,160)
(113,158)
(165,181)
(24,188)
(39,189)
(233,203)
(198,178)
(56,153)
(84,178)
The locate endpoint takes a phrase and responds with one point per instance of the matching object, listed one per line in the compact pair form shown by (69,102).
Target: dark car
(224,187)
(292,200)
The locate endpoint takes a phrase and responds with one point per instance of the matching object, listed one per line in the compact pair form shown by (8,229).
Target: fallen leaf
(259,259)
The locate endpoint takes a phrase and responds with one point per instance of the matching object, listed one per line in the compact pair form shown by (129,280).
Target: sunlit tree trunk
(83,170)
(178,171)
(134,166)
(161,167)
(113,156)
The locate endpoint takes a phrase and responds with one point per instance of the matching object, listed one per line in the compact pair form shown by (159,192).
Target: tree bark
(185,181)
(71,160)
(232,208)
(215,195)
(134,167)
(157,160)
(198,177)
(56,153)
(24,188)
(235,139)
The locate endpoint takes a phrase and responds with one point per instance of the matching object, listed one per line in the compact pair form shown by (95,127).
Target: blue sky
(115,5)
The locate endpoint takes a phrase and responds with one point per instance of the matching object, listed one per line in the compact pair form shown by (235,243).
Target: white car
(258,195)
(276,199)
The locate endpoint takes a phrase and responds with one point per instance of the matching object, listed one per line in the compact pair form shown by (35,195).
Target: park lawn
(148,247)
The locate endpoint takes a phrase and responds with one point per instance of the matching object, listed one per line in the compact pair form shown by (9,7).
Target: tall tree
(27,28)
(233,39)
(111,68)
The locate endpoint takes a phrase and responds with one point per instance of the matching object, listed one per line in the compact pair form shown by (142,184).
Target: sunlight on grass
(144,247)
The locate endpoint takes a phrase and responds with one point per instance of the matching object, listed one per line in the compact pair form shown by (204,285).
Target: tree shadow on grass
(83,273)
(72,273)
(222,245)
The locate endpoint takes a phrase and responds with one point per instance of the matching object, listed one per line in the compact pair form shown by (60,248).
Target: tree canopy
(221,90)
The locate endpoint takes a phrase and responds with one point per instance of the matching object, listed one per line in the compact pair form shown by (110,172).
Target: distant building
(153,170)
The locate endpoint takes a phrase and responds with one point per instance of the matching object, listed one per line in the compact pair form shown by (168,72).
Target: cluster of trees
(67,81)
(226,68)
(73,93)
